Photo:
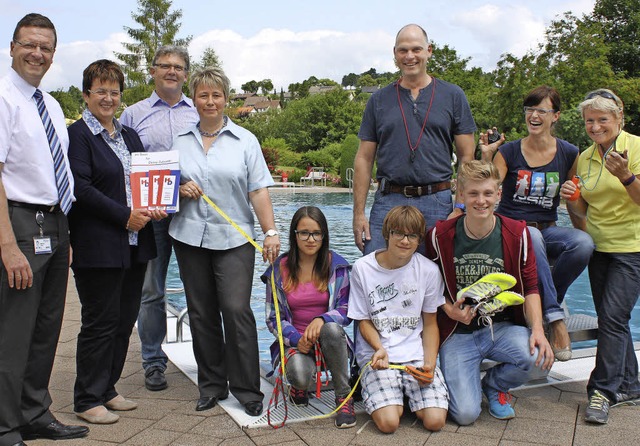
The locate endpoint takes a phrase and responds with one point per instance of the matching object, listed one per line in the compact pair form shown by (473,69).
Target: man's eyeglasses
(101,93)
(539,111)
(399,236)
(31,47)
(604,94)
(304,235)
(168,66)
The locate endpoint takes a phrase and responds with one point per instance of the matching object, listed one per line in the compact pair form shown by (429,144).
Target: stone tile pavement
(545,416)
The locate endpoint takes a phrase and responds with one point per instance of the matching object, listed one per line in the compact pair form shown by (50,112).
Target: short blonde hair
(603,100)
(405,218)
(212,77)
(476,170)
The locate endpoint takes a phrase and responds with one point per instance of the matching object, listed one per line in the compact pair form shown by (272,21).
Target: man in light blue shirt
(158,120)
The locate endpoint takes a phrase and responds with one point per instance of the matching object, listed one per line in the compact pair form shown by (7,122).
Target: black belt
(414,191)
(541,224)
(51,209)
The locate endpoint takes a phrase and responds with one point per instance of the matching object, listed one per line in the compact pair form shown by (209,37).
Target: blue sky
(288,41)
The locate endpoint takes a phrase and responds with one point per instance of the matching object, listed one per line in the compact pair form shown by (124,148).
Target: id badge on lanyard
(41,244)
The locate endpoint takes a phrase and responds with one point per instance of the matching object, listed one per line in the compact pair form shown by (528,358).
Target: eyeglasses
(304,235)
(399,236)
(31,47)
(604,94)
(168,66)
(101,93)
(540,111)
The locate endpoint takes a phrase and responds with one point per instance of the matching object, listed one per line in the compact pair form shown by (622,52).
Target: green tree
(366,80)
(209,59)
(158,26)
(250,87)
(620,20)
(349,80)
(266,85)
(70,101)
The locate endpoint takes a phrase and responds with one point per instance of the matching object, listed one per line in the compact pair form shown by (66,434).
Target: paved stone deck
(545,416)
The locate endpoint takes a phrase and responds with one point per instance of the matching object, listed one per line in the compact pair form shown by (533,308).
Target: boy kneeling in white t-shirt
(395,294)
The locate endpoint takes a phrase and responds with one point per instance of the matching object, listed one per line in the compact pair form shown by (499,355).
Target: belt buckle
(406,193)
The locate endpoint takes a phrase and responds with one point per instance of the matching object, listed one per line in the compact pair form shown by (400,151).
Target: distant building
(318,89)
(241,96)
(370,89)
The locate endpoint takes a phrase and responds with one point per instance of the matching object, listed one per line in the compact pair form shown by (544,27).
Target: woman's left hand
(618,164)
(312,332)
(271,248)
(190,189)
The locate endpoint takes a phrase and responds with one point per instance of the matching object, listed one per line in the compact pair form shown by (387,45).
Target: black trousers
(30,322)
(110,299)
(217,285)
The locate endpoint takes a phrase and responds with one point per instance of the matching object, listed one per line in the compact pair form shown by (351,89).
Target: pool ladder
(182,316)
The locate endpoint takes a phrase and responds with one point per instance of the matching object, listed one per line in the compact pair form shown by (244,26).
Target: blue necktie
(62,179)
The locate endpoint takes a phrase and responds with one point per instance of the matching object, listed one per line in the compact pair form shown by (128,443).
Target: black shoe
(298,397)
(206,403)
(55,431)
(253,408)
(154,379)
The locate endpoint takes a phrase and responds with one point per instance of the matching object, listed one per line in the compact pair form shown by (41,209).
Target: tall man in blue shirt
(36,191)
(410,127)
(158,119)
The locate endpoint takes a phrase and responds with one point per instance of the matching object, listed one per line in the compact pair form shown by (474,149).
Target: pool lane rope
(278,389)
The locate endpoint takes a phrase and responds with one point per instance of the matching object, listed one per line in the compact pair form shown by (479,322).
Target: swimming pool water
(337,207)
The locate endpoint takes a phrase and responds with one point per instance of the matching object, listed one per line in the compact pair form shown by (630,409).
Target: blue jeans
(434,207)
(615,287)
(570,250)
(460,358)
(152,318)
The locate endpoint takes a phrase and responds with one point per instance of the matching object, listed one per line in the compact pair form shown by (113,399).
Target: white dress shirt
(28,174)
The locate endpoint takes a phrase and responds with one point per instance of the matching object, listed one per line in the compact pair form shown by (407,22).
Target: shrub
(271,157)
(349,149)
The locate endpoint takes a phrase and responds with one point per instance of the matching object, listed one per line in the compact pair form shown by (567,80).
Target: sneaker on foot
(598,409)
(624,399)
(346,416)
(499,404)
(487,286)
(298,397)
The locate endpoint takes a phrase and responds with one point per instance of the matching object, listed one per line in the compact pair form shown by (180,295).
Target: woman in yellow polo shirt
(610,202)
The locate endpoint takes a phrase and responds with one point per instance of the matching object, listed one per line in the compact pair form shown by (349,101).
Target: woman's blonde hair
(603,100)
(211,77)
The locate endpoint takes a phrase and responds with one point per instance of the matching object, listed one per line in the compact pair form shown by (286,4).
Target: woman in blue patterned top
(532,170)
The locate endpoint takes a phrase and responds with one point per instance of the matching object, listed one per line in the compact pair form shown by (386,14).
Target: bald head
(412,29)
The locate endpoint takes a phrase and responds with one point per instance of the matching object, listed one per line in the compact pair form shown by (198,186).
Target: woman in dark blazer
(111,243)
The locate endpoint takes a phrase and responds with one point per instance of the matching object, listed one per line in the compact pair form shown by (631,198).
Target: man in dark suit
(36,192)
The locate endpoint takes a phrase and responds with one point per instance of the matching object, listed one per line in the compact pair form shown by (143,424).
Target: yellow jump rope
(423,376)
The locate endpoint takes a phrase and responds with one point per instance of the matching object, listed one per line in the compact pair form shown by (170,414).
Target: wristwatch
(460,206)
(271,233)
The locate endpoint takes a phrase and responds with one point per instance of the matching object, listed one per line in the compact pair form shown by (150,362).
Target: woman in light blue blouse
(223,161)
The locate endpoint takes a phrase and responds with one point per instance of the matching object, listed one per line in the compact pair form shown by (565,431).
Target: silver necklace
(214,134)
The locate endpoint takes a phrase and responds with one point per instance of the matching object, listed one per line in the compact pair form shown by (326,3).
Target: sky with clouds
(289,40)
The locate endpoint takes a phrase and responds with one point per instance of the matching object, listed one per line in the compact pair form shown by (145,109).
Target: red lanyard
(413,148)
